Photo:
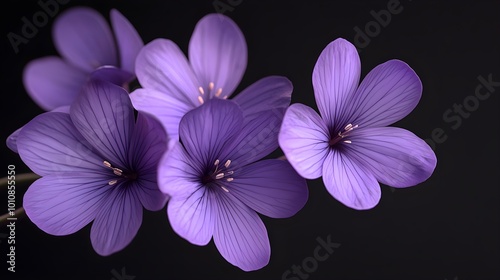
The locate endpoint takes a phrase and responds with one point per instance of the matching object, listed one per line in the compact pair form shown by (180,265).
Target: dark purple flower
(85,41)
(216,183)
(98,164)
(350,145)
(172,85)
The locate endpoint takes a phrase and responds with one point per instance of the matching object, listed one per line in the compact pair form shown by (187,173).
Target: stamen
(230,172)
(219,91)
(200,89)
(225,97)
(348,141)
(228,162)
(222,187)
(216,162)
(347,127)
(219,176)
(229,179)
(117,171)
(200,99)
(107,164)
(211,86)
(112,182)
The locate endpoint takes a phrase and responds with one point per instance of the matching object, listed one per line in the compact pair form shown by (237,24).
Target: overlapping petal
(104,116)
(218,53)
(128,40)
(51,82)
(83,37)
(304,140)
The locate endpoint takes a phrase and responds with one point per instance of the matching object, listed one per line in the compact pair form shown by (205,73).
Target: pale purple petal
(387,94)
(117,221)
(51,82)
(128,40)
(83,37)
(240,235)
(350,183)
(113,75)
(165,107)
(395,156)
(104,115)
(12,140)
(304,140)
(270,187)
(148,144)
(209,129)
(63,203)
(177,175)
(266,94)
(257,138)
(50,143)
(193,216)
(162,66)
(335,79)
(218,54)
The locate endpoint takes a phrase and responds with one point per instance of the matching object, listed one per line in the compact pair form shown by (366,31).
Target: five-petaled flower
(172,85)
(350,145)
(98,163)
(217,184)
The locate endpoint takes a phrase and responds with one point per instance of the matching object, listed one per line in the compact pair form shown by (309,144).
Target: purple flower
(216,185)
(172,85)
(98,164)
(350,145)
(85,41)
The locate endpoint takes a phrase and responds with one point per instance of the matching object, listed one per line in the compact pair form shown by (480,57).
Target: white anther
(228,162)
(218,92)
(222,187)
(219,176)
(200,99)
(200,89)
(112,182)
(229,179)
(211,86)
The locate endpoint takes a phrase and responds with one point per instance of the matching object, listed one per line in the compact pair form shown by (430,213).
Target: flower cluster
(105,151)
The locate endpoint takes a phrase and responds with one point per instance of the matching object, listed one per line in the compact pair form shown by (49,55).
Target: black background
(444,228)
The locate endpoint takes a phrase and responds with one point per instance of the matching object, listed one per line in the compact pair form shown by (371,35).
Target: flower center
(342,134)
(220,172)
(118,172)
(202,97)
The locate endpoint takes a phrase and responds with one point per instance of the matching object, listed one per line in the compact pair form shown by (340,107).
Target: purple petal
(335,79)
(193,216)
(258,138)
(304,140)
(395,156)
(387,94)
(128,40)
(148,144)
(240,235)
(270,187)
(177,174)
(218,54)
(208,130)
(265,94)
(163,106)
(51,82)
(113,75)
(103,114)
(50,143)
(162,66)
(12,140)
(350,183)
(83,37)
(63,203)
(117,221)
